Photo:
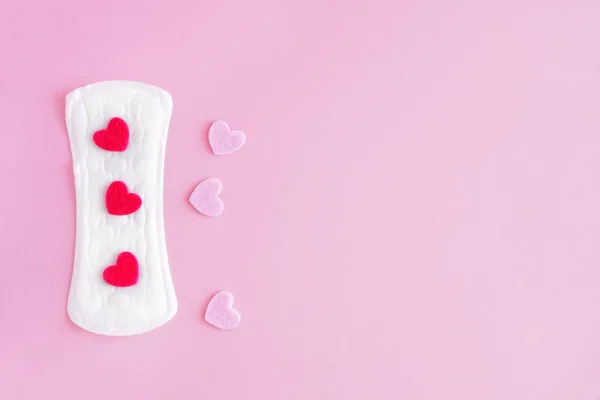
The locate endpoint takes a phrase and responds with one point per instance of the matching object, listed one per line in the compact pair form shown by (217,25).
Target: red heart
(115,137)
(119,201)
(124,273)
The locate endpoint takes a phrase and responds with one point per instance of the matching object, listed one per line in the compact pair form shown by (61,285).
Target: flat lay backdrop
(415,214)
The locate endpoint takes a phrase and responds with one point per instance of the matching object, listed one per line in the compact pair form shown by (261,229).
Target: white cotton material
(93,304)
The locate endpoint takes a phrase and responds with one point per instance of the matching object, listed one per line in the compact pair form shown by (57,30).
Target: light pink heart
(205,197)
(220,312)
(223,140)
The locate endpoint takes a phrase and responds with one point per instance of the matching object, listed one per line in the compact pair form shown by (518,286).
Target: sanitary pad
(121,283)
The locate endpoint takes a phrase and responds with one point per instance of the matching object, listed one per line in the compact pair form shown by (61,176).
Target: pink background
(415,215)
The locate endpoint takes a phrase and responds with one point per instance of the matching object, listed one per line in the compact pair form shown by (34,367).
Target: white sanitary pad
(93,304)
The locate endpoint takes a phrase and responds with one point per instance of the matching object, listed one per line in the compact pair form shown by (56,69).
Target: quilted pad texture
(93,304)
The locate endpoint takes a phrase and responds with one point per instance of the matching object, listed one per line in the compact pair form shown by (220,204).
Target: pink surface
(426,224)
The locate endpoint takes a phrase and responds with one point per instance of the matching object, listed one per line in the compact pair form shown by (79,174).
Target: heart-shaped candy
(220,312)
(223,140)
(119,201)
(115,137)
(205,197)
(124,273)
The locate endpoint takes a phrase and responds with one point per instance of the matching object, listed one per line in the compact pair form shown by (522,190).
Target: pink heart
(205,198)
(220,312)
(223,140)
